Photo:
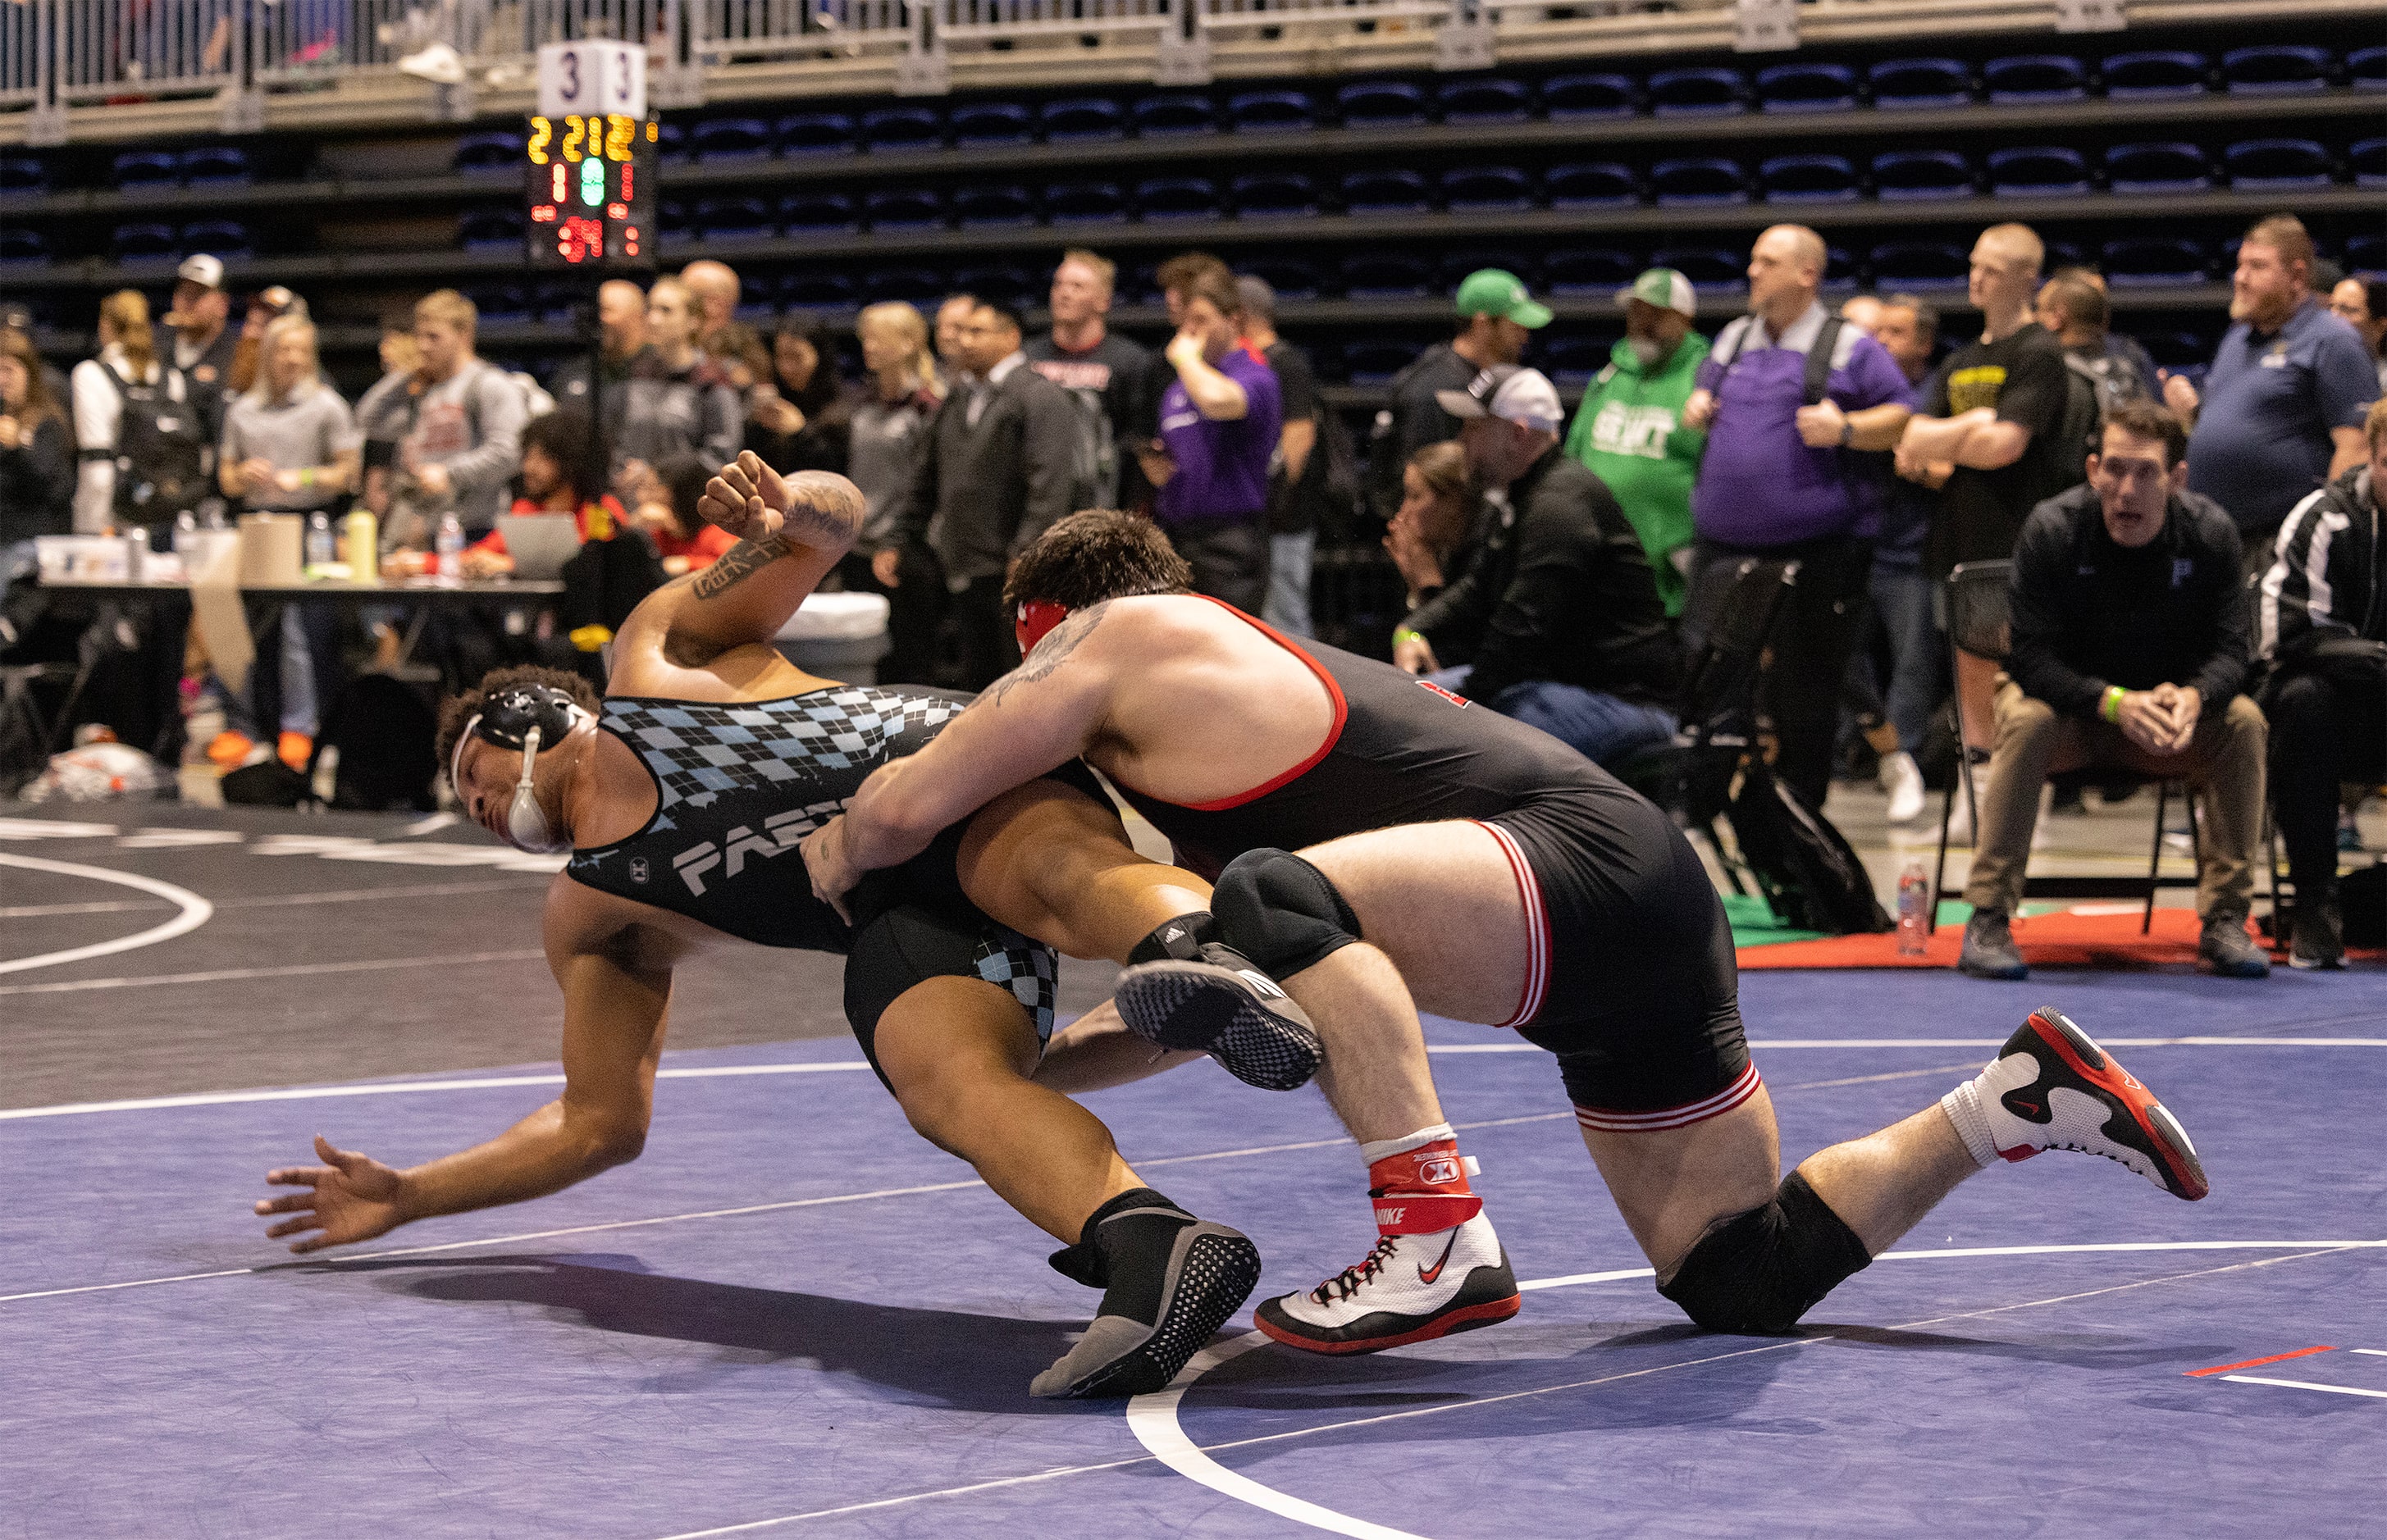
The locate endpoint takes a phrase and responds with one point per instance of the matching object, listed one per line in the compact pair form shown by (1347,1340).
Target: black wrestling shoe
(1223,1005)
(2316,937)
(1169,1281)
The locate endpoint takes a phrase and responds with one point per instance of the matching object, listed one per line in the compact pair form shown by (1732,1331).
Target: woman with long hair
(799,419)
(36,458)
(290,443)
(890,431)
(1435,534)
(128,375)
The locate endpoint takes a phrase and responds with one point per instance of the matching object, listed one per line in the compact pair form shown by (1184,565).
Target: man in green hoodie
(1629,429)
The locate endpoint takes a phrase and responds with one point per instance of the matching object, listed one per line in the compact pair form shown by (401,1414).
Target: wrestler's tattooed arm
(1050,654)
(742,562)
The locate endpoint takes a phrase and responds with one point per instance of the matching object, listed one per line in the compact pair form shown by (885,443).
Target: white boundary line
(292,970)
(1961,1043)
(195,912)
(396,1088)
(2306,1384)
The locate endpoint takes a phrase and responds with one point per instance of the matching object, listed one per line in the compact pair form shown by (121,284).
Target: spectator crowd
(2195,593)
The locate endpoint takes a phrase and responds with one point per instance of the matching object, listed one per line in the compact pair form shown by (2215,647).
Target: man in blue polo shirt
(1775,482)
(2283,405)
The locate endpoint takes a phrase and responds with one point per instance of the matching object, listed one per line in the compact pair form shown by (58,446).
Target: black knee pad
(1281,912)
(1758,1272)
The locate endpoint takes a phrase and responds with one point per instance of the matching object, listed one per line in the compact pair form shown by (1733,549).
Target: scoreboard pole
(589,183)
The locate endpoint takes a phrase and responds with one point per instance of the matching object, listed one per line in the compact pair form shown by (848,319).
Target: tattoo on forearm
(823,509)
(742,562)
(1050,654)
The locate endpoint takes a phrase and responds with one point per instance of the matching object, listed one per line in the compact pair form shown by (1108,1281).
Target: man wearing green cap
(1496,317)
(1629,429)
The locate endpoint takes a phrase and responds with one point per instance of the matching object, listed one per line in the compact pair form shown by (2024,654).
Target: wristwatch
(1848,433)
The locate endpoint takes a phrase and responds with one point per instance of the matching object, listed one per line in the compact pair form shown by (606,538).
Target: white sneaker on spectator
(1903,781)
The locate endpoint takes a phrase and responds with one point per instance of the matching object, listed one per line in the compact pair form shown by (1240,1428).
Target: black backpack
(161,447)
(386,737)
(2076,430)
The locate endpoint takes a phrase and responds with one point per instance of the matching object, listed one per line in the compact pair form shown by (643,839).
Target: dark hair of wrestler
(1096,555)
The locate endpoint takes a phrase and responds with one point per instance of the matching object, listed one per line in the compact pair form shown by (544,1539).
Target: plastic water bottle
(448,547)
(1914,911)
(321,547)
(186,532)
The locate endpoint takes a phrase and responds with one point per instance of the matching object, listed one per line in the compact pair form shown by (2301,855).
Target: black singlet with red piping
(1400,751)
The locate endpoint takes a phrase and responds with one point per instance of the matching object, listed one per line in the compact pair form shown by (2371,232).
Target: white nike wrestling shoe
(1410,1289)
(2052,1088)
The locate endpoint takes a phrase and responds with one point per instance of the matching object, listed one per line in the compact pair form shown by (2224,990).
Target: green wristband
(1405,635)
(2110,708)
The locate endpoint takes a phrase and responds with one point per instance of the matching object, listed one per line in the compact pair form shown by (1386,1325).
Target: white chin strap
(526,820)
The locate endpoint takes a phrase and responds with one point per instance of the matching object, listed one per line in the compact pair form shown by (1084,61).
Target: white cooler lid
(837,617)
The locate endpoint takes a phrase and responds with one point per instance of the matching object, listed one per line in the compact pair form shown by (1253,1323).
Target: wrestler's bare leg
(1051,863)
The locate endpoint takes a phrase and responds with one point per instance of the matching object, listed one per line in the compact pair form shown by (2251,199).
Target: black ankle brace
(1111,1238)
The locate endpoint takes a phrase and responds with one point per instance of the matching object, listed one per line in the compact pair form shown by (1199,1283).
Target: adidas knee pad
(1758,1272)
(1281,912)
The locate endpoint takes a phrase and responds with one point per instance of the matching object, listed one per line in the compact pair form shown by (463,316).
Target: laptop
(540,543)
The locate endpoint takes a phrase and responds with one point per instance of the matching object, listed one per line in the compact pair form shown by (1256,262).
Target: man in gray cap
(1496,317)
(204,340)
(1629,429)
(1557,615)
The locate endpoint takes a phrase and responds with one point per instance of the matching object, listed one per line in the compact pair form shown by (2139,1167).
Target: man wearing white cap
(204,340)
(1557,615)
(1629,429)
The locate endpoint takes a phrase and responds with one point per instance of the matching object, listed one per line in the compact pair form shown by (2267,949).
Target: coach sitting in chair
(2130,650)
(2323,626)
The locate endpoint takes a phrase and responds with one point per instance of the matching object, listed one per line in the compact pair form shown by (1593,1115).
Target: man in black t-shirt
(1986,437)
(1299,471)
(1496,318)
(1103,373)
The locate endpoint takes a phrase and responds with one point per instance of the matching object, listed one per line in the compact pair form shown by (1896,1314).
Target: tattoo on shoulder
(742,562)
(1050,653)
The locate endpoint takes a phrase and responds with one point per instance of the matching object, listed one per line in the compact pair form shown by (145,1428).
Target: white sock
(1964,1108)
(1385,1148)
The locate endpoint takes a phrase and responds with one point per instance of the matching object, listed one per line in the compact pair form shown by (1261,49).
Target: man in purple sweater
(1219,423)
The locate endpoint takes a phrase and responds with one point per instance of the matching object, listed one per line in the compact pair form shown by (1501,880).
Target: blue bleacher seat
(758,305)
(1708,89)
(2366,68)
(2066,254)
(2369,159)
(1702,265)
(1698,179)
(2367,255)
(1569,97)
(2276,70)
(1270,112)
(1839,267)
(1903,82)
(2154,259)
(1291,277)
(1578,270)
(1485,189)
(1572,361)
(1454,266)
(502,304)
(1922,174)
(1177,197)
(215,164)
(915,285)
(1380,104)
(1807,179)
(1005,283)
(731,139)
(1273,195)
(1483,99)
(815,290)
(1083,202)
(146,168)
(1176,112)
(816,133)
(2167,168)
(980,204)
(671,144)
(889,129)
(22,176)
(902,208)
(733,219)
(490,230)
(2177,350)
(1326,362)
(22,248)
(1372,362)
(1385,191)
(1919,265)
(2277,165)
(476,153)
(146,242)
(672,218)
(2153,74)
(1082,118)
(977,124)
(1385,276)
(2036,78)
(808,209)
(2038,171)
(1806,87)
(1592,185)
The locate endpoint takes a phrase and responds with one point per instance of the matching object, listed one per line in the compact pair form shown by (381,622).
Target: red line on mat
(2274,1358)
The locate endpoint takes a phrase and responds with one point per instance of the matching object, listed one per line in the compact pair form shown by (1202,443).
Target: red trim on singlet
(1744,1085)
(1537,926)
(1333,734)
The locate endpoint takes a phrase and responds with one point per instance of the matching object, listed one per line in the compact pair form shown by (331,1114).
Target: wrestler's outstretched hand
(833,877)
(351,1197)
(748,499)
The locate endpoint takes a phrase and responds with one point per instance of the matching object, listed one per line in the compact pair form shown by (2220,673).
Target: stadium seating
(1701,91)
(1573,360)
(2155,74)
(1922,174)
(1486,189)
(1084,202)
(135,169)
(1452,268)
(488,153)
(1918,83)
(1920,265)
(2366,68)
(215,164)
(1483,99)
(2172,168)
(490,230)
(733,219)
(146,241)
(2044,171)
(731,139)
(2277,165)
(1807,179)
(1175,113)
(22,248)
(1702,265)
(1005,283)
(22,176)
(915,285)
(980,125)
(1383,191)
(2367,157)
(809,211)
(1698,180)
(1274,111)
(816,134)
(1597,95)
(902,208)
(2276,70)
(1577,272)
(1273,195)
(1385,276)
(501,304)
(1291,277)
(2035,78)
(818,290)
(2367,254)
(1811,86)
(2142,259)
(1178,198)
(1380,104)
(982,204)
(1592,185)
(895,129)
(1075,118)
(1374,362)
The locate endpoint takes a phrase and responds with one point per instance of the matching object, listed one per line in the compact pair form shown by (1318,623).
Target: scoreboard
(590,185)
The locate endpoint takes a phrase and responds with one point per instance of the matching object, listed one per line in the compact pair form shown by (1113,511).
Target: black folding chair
(1733,610)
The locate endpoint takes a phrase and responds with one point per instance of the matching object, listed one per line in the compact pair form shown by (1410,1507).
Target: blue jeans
(1288,590)
(1602,728)
(1901,596)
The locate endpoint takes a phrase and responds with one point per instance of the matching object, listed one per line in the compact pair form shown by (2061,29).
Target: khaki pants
(2224,759)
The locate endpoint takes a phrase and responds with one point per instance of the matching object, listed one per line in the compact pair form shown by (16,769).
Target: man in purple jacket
(1787,391)
(1219,417)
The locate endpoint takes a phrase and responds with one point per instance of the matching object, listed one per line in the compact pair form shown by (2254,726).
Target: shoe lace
(1351,1279)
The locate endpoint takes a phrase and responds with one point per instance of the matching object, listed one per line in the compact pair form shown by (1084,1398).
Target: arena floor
(791,1314)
